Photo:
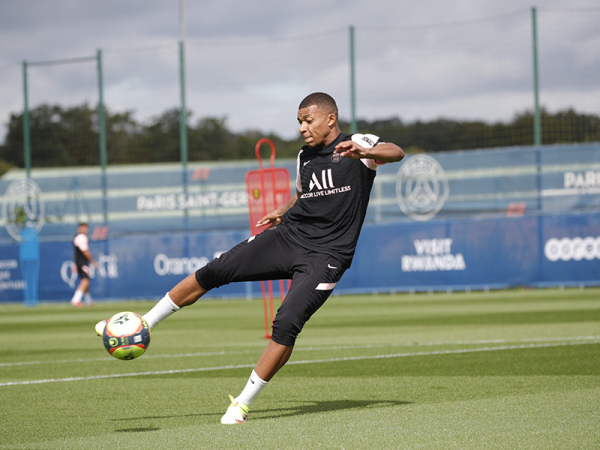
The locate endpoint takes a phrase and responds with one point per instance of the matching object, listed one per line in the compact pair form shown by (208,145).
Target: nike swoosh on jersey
(305,163)
(331,267)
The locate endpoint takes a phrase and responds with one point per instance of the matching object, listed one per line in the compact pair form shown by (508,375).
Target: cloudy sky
(252,62)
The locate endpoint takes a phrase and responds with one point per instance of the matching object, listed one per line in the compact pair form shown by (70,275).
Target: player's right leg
(262,257)
(185,293)
(257,258)
(266,256)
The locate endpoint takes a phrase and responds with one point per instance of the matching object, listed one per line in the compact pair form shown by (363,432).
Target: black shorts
(270,256)
(83,272)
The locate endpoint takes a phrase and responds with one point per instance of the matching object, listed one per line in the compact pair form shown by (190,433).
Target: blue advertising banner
(401,257)
(149,198)
(571,250)
(12,283)
(451,254)
(135,267)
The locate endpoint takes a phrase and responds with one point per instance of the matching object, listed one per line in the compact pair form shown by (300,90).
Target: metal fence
(546,58)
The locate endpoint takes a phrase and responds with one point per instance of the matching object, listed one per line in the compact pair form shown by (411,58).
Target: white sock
(88,298)
(252,389)
(163,309)
(77,296)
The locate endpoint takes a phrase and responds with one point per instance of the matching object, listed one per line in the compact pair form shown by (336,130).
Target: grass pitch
(515,369)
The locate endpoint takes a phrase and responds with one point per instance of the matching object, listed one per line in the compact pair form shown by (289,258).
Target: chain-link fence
(438,87)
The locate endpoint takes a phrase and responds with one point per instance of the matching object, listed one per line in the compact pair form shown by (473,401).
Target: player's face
(83,229)
(316,126)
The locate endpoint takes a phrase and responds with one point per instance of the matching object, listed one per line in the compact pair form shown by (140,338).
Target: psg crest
(421,187)
(23,207)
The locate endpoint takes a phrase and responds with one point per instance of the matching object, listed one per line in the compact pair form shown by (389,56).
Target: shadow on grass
(136,430)
(313,407)
(309,407)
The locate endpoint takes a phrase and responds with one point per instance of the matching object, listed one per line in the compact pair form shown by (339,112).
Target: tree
(210,140)
(159,141)
(122,134)
(59,137)
(70,136)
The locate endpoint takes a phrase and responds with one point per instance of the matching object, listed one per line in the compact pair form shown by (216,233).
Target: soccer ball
(126,335)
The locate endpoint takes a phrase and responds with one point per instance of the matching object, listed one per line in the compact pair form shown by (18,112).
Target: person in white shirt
(82,257)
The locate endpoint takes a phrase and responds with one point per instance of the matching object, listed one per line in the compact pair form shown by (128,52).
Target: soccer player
(82,257)
(311,240)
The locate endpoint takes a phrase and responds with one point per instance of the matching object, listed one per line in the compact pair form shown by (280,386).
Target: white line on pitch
(311,361)
(309,349)
(424,344)
(108,358)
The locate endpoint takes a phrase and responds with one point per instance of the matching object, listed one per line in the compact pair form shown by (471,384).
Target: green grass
(513,369)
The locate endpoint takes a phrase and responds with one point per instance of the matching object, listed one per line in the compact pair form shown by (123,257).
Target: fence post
(26,136)
(102,133)
(537,126)
(352,84)
(183,128)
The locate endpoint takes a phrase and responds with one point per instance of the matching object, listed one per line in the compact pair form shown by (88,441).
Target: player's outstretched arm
(384,152)
(274,217)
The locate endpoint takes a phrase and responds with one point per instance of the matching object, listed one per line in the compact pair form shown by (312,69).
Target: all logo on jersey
(323,185)
(326,177)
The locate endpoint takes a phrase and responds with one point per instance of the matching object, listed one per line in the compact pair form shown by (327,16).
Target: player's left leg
(271,360)
(315,277)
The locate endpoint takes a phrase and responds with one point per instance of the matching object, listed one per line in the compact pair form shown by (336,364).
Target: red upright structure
(268,189)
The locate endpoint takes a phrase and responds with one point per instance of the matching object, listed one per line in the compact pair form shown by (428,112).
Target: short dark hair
(82,224)
(322,100)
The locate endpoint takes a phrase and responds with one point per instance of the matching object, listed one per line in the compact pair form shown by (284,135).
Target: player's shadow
(309,407)
(137,430)
(312,407)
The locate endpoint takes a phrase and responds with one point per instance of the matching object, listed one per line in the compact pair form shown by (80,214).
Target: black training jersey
(334,195)
(80,244)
